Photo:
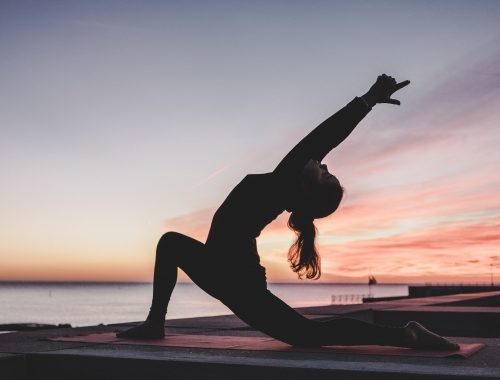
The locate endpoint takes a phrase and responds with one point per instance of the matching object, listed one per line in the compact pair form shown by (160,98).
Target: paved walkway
(28,355)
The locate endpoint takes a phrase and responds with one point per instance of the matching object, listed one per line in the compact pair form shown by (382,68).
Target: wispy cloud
(212,175)
(195,224)
(106,26)
(460,109)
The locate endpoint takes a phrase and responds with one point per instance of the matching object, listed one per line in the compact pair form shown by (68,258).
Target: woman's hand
(382,90)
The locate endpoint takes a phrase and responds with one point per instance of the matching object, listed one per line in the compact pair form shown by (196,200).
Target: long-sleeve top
(259,198)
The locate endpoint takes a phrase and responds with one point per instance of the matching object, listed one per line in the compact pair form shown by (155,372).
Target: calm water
(90,304)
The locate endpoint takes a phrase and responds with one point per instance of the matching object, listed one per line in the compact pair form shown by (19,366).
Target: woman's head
(320,191)
(319,196)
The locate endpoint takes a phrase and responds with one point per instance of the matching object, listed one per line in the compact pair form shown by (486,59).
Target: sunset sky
(121,120)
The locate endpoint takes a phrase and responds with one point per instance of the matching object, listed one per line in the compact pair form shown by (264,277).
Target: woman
(228,267)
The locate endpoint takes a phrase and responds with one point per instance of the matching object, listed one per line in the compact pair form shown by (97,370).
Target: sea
(89,304)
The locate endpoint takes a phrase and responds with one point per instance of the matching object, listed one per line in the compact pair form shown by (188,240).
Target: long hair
(302,255)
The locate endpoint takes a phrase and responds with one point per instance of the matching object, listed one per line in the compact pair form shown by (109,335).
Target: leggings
(254,305)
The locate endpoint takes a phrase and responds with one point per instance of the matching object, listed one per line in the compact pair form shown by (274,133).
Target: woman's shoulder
(260,175)
(263,177)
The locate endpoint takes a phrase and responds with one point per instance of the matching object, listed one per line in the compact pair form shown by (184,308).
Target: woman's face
(320,191)
(316,173)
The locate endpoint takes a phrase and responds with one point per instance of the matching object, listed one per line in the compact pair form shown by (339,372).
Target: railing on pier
(349,299)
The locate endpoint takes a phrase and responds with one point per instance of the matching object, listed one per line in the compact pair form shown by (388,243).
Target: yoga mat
(266,344)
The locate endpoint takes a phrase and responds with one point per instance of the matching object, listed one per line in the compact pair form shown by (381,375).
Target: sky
(122,120)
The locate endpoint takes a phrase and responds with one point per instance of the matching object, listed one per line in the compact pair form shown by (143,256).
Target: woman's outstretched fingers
(393,101)
(399,86)
(396,87)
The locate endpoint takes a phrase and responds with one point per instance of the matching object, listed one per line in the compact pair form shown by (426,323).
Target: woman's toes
(419,337)
(449,345)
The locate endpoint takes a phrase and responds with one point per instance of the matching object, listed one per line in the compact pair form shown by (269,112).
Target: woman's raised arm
(330,133)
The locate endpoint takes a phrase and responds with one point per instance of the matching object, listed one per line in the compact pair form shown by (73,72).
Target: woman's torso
(254,203)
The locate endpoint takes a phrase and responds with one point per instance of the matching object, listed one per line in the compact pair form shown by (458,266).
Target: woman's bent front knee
(169,239)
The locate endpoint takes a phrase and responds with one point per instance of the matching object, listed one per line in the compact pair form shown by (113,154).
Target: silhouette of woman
(228,267)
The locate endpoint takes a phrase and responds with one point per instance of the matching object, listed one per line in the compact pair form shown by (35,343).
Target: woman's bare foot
(417,336)
(147,330)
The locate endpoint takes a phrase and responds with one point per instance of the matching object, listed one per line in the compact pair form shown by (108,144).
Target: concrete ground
(28,355)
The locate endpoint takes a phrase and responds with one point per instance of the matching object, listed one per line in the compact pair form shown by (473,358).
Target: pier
(465,317)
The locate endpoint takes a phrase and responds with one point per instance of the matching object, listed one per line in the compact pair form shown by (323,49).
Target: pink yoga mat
(266,344)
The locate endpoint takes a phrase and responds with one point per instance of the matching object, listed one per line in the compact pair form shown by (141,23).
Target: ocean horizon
(87,303)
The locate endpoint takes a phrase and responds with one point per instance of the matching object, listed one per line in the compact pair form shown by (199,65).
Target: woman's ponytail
(302,255)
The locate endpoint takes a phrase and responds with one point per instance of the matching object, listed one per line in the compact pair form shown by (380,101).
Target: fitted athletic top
(259,198)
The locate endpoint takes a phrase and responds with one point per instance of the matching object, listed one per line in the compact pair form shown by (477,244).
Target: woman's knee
(182,249)
(300,336)
(169,239)
(273,317)
(303,334)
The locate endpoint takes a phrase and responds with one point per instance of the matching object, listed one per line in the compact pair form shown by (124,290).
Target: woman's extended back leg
(269,314)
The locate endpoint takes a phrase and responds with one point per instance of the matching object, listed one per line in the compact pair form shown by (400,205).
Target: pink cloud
(458,249)
(194,224)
